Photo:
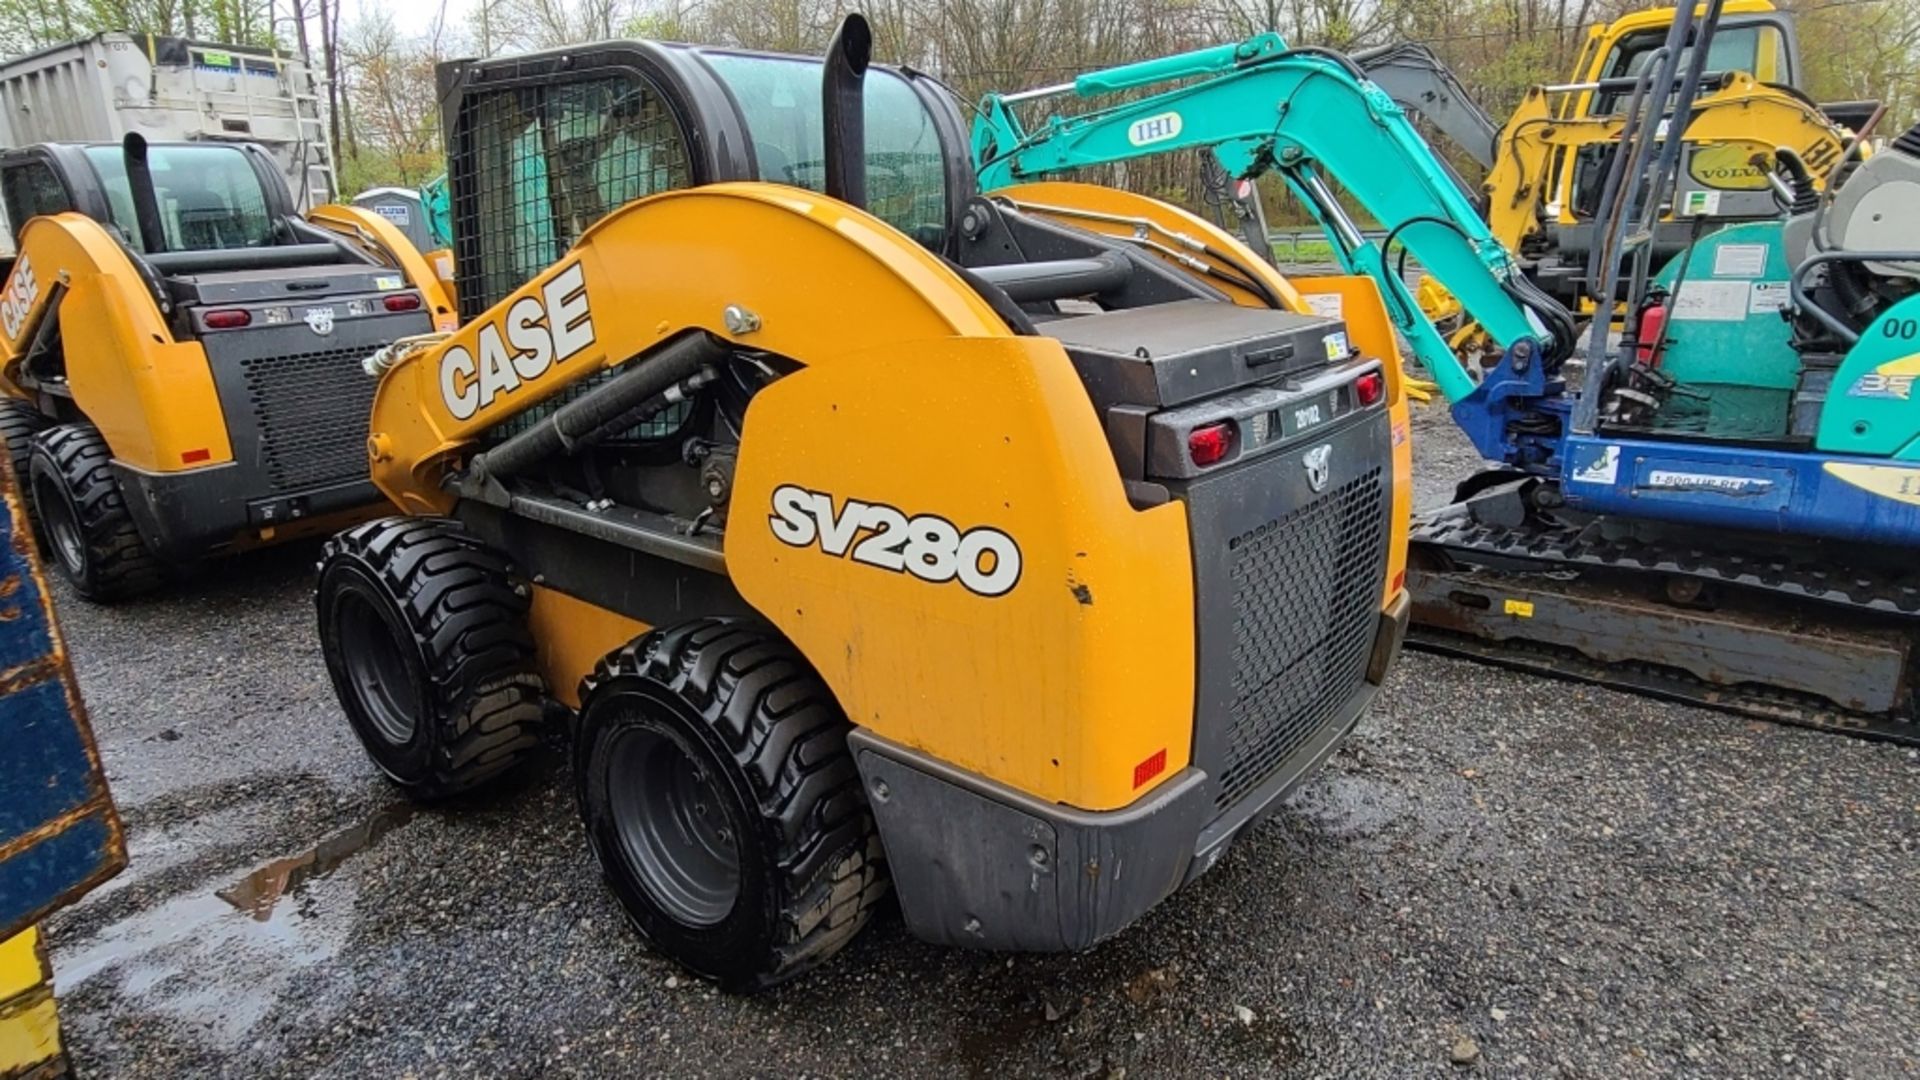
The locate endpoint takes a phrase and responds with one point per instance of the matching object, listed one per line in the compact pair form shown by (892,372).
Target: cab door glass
(906,165)
(31,189)
(1757,49)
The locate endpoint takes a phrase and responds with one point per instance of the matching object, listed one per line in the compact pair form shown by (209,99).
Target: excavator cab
(1546,186)
(1761,43)
(858,530)
(180,355)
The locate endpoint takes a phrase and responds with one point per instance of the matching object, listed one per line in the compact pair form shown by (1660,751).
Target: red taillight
(1154,765)
(227,319)
(402,302)
(1209,444)
(190,457)
(1368,389)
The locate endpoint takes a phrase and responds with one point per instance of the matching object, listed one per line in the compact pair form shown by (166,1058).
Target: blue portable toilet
(402,208)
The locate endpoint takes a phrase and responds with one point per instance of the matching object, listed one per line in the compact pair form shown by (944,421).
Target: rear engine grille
(311,411)
(1306,600)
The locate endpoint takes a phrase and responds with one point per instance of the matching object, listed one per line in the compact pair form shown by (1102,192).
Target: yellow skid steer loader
(865,530)
(180,353)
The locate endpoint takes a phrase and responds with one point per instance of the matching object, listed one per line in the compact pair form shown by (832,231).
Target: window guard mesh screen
(543,163)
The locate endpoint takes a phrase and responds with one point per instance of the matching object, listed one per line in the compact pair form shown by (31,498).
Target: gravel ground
(1498,875)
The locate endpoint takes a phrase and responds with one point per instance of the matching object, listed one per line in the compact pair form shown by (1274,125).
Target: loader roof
(210,195)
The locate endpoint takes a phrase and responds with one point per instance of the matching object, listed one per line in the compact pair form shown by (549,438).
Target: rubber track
(1667,684)
(1789,574)
(121,562)
(788,738)
(470,618)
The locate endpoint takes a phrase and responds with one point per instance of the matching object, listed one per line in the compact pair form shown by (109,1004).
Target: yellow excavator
(1544,166)
(1543,188)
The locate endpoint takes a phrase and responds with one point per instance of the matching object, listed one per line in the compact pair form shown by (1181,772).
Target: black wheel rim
(63,528)
(375,655)
(675,833)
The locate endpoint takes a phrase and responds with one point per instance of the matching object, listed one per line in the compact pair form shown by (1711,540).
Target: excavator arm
(1419,81)
(1312,116)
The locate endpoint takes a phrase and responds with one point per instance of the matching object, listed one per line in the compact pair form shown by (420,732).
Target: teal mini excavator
(1722,507)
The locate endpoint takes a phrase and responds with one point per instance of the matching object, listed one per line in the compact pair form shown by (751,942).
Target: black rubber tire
(19,423)
(424,630)
(742,704)
(90,535)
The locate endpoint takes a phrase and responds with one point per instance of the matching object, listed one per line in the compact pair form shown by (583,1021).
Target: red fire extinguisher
(1652,322)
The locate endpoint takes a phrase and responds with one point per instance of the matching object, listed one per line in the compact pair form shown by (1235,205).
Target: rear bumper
(978,864)
(189,514)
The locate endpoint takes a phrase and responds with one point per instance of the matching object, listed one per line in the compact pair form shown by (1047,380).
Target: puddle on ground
(220,961)
(260,892)
(1348,807)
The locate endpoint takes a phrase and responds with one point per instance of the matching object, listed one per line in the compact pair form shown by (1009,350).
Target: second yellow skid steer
(181,354)
(865,529)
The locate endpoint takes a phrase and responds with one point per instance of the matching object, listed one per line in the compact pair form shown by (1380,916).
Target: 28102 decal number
(983,559)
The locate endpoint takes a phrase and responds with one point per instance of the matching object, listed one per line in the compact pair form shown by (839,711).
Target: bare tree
(380,82)
(391,95)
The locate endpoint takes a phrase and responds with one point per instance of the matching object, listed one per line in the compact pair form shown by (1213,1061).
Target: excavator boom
(1312,116)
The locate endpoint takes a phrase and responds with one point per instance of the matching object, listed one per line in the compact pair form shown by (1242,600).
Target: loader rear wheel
(78,503)
(721,799)
(424,630)
(19,423)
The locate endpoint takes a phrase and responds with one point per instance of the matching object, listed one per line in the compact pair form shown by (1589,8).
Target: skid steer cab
(870,533)
(181,355)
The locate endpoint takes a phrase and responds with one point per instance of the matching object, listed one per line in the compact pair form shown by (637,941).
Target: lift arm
(1311,115)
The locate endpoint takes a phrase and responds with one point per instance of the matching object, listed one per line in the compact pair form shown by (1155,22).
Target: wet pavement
(1499,875)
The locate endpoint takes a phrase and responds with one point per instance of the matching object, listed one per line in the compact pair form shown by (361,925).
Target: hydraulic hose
(1562,332)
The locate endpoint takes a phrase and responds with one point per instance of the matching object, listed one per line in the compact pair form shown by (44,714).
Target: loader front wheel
(19,423)
(424,630)
(724,806)
(78,502)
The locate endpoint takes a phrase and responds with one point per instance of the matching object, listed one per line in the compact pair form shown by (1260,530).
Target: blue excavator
(1720,505)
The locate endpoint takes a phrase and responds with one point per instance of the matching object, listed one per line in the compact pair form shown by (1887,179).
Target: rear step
(1782,662)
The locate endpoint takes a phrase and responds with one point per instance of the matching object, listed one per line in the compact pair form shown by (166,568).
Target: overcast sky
(413,17)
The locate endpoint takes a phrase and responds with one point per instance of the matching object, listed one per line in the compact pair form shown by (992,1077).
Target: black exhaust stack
(843,110)
(146,205)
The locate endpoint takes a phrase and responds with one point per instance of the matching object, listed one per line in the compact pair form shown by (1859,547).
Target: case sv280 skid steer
(935,542)
(180,353)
